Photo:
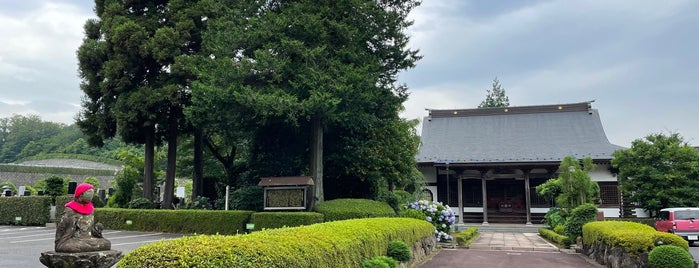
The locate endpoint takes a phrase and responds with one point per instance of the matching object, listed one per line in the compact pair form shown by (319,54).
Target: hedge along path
(331,244)
(631,236)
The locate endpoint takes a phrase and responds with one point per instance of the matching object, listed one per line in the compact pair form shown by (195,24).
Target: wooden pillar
(485,199)
(528,199)
(461,203)
(448,190)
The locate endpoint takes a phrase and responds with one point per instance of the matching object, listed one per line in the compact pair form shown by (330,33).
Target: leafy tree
(127,179)
(495,97)
(310,80)
(93,181)
(659,171)
(18,131)
(573,187)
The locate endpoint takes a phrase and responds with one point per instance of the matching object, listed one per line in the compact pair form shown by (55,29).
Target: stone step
(502,228)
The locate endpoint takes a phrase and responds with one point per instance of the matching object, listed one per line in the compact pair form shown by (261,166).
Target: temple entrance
(506,201)
(506,196)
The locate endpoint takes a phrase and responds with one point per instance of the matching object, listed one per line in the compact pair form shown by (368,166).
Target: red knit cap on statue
(84,209)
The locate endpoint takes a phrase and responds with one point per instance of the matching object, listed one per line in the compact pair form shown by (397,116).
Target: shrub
(34,210)
(398,250)
(465,237)
(441,216)
(200,202)
(380,262)
(560,229)
(271,220)
(343,209)
(555,237)
(330,244)
(578,217)
(174,221)
(412,213)
(142,203)
(633,237)
(670,257)
(396,199)
(54,188)
(555,217)
(246,198)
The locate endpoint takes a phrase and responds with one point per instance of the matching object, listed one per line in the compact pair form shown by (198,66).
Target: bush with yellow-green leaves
(633,237)
(332,244)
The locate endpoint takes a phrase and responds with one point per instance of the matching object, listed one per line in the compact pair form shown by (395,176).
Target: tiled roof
(545,133)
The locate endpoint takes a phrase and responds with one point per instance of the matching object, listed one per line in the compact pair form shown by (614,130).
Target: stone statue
(79,241)
(77,231)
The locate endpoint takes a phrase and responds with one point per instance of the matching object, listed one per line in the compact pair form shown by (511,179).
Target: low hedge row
(554,237)
(633,237)
(174,221)
(272,220)
(343,209)
(331,244)
(465,237)
(33,210)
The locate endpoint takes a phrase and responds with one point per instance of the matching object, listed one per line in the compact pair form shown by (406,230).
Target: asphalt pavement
(21,246)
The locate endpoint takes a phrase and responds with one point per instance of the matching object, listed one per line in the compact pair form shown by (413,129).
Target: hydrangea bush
(441,216)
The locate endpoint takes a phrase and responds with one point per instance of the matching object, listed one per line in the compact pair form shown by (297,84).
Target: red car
(681,221)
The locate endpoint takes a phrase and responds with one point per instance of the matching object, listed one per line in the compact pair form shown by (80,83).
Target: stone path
(512,241)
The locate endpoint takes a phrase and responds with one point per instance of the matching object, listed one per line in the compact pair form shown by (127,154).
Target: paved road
(21,246)
(506,259)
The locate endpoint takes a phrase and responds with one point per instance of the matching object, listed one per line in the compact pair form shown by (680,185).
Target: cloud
(38,67)
(636,59)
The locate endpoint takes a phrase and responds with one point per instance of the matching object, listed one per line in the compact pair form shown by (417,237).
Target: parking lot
(21,246)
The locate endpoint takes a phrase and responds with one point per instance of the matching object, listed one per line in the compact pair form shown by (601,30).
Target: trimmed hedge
(344,209)
(174,221)
(465,237)
(331,244)
(633,237)
(554,237)
(272,220)
(34,210)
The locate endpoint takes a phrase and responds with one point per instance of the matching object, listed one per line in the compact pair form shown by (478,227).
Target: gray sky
(636,59)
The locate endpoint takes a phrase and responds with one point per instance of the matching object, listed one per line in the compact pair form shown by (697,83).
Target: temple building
(485,163)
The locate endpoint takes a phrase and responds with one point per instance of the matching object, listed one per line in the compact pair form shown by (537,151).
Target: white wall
(430,174)
(602,173)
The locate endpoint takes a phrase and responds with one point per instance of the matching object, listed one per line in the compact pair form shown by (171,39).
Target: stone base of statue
(92,259)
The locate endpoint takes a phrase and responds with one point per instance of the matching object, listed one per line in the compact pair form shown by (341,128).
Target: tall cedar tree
(135,75)
(292,70)
(495,96)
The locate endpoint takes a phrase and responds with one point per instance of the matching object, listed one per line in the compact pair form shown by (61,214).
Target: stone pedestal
(93,259)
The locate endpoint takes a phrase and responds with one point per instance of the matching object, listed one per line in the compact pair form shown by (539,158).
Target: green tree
(135,75)
(573,187)
(19,131)
(495,97)
(54,187)
(659,171)
(93,181)
(314,80)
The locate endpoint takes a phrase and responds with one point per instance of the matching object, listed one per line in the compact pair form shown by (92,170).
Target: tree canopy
(573,187)
(275,71)
(495,97)
(659,171)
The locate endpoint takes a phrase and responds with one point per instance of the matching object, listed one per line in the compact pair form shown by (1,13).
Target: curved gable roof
(545,133)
